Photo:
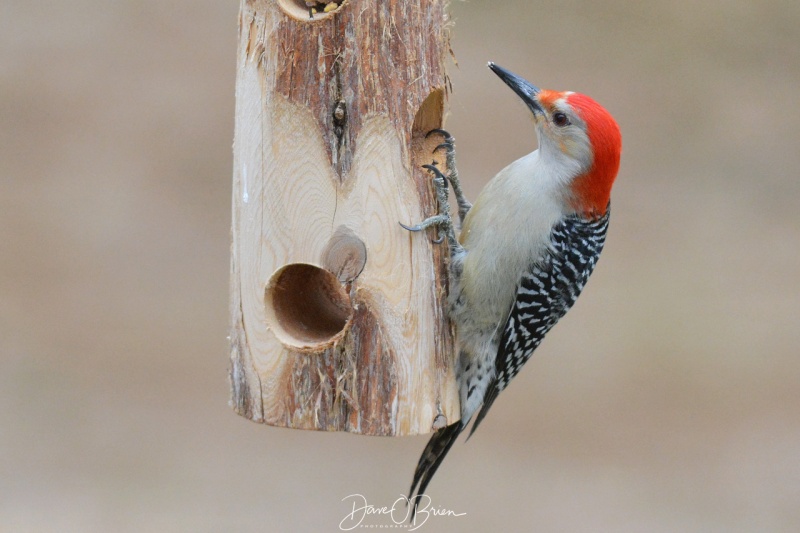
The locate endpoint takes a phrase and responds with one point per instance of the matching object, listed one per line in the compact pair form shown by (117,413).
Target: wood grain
(329,141)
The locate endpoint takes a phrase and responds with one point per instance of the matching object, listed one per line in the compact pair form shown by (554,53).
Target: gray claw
(410,228)
(447,145)
(436,171)
(440,131)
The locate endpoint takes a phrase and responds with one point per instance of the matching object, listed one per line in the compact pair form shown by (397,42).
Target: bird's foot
(443,220)
(449,146)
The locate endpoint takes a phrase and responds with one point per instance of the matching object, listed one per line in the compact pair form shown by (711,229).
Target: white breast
(507,229)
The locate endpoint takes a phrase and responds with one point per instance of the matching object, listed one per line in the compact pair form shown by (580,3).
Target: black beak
(526,90)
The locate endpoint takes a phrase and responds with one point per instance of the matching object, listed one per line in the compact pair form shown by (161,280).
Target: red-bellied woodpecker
(525,250)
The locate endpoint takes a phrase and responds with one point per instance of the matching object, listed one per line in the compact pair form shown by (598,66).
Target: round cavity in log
(311,10)
(306,306)
(430,114)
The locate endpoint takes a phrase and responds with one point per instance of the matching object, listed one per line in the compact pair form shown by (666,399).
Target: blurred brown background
(667,400)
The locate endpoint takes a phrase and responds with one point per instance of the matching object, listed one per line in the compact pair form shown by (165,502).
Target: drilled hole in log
(310,11)
(306,306)
(430,114)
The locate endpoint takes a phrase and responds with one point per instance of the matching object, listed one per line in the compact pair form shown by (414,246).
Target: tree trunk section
(338,318)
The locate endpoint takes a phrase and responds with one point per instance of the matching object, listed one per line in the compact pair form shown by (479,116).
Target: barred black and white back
(526,248)
(545,293)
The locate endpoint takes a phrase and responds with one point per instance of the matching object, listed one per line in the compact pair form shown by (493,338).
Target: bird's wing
(544,294)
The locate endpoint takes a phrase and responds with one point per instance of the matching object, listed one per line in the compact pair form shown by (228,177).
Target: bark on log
(338,314)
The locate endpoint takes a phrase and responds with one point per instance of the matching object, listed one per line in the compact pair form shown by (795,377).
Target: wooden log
(338,314)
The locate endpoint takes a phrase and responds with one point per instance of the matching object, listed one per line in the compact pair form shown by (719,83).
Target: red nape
(593,189)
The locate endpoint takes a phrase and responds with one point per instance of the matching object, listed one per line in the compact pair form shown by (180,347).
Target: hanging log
(338,315)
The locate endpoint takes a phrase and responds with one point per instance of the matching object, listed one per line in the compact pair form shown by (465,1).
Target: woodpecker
(525,249)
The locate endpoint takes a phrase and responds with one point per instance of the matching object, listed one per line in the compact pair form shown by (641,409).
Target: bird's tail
(431,458)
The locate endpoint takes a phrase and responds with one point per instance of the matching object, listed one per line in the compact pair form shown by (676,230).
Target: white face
(563,138)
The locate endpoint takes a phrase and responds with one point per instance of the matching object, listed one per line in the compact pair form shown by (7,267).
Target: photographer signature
(398,512)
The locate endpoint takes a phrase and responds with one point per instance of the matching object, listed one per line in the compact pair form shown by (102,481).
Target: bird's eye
(561,120)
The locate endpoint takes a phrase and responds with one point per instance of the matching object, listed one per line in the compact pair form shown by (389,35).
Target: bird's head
(578,138)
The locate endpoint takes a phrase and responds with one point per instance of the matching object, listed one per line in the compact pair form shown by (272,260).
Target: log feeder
(338,318)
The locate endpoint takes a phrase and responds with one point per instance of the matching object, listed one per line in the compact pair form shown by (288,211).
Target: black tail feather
(431,458)
(488,400)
